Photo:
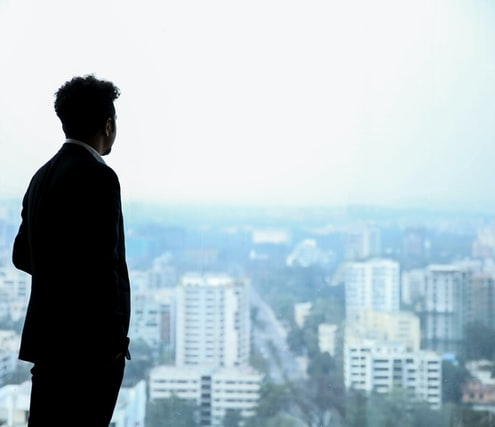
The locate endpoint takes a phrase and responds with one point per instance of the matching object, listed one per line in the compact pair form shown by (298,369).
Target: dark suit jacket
(71,241)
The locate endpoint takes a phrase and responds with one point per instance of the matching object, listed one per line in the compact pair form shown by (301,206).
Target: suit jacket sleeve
(21,256)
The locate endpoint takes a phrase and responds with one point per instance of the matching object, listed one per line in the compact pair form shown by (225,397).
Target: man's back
(73,246)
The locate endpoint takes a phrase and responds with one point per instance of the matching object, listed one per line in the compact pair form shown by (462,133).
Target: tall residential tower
(213,325)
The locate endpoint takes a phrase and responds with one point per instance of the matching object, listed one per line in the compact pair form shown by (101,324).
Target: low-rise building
(301,312)
(383,367)
(214,391)
(479,391)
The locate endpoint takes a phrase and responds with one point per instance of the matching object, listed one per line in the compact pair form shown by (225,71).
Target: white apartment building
(9,224)
(8,363)
(15,287)
(413,285)
(16,282)
(213,323)
(214,391)
(372,284)
(383,367)
(400,326)
(153,319)
(445,307)
(9,346)
(301,312)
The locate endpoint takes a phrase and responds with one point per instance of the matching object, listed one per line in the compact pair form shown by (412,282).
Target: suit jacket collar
(88,147)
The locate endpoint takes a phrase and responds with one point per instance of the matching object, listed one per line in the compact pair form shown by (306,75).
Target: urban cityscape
(307,192)
(278,316)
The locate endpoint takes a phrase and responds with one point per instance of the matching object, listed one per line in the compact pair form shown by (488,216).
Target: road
(270,342)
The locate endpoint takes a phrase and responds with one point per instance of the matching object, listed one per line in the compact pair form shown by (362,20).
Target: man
(71,242)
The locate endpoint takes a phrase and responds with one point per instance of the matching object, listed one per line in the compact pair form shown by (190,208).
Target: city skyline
(271,102)
(222,295)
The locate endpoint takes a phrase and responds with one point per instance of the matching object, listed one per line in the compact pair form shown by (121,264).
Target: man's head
(85,107)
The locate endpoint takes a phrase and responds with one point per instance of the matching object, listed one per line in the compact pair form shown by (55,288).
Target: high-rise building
(213,324)
(8,230)
(413,286)
(483,299)
(373,284)
(484,244)
(444,310)
(212,350)
(15,287)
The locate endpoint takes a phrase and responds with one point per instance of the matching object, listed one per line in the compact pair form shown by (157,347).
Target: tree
(295,340)
(274,401)
(479,342)
(232,418)
(171,412)
(311,340)
(453,378)
(321,364)
(279,420)
(355,408)
(319,401)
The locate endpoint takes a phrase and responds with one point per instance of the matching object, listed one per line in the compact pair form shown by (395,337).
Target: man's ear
(108,127)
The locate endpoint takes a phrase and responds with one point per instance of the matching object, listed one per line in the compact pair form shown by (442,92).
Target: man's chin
(107,152)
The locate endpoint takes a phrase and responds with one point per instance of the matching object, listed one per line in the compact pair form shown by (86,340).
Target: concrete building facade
(384,367)
(214,391)
(213,323)
(372,284)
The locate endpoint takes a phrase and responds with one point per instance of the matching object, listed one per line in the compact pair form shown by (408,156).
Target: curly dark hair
(84,104)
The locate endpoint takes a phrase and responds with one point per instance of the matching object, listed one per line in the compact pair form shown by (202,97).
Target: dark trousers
(80,394)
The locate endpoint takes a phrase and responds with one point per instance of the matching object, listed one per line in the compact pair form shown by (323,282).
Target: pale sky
(264,101)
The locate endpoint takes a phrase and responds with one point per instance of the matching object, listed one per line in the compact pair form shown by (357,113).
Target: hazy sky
(275,101)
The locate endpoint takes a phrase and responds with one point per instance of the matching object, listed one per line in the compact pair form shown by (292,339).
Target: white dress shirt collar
(88,147)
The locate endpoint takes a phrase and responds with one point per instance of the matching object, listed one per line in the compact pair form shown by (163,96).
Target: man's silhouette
(71,242)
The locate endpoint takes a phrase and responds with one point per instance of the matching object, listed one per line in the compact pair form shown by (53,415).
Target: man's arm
(21,253)
(103,233)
